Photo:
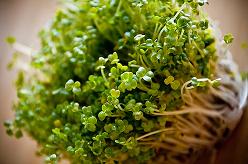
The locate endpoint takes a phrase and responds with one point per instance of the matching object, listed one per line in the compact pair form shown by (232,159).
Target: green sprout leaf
(228,38)
(169,80)
(128,82)
(113,58)
(115,93)
(175,85)
(10,40)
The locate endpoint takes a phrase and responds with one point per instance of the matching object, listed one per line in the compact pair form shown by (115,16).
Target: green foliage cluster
(105,67)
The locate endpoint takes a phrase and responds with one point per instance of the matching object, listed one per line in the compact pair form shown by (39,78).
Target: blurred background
(24,18)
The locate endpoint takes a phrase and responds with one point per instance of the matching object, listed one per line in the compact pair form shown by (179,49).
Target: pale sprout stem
(194,120)
(115,116)
(204,109)
(189,38)
(183,88)
(227,91)
(206,103)
(187,111)
(205,120)
(187,99)
(155,132)
(193,129)
(181,35)
(228,99)
(135,66)
(201,129)
(25,50)
(22,66)
(197,141)
(118,8)
(155,30)
(149,139)
(158,32)
(186,123)
(179,143)
(199,50)
(103,75)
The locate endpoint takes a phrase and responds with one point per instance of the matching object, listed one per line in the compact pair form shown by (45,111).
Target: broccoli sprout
(133,81)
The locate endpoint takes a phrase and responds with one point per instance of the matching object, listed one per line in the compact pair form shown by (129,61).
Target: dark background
(24,18)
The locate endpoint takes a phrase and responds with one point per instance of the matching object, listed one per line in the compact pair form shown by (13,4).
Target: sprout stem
(118,8)
(187,111)
(103,75)
(155,132)
(25,50)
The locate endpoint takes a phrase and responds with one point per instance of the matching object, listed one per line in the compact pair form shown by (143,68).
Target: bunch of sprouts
(128,81)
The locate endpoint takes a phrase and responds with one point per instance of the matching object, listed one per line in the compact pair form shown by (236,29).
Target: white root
(202,121)
(197,129)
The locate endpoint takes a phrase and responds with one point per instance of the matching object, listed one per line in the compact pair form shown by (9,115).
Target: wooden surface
(24,18)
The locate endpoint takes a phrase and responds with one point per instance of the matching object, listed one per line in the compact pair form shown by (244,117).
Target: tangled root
(205,120)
